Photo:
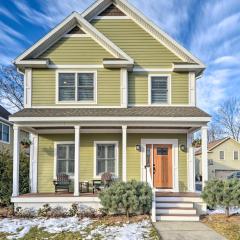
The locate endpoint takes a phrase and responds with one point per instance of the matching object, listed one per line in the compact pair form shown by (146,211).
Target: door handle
(154,169)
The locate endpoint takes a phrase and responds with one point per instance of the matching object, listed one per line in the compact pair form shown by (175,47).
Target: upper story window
(235,155)
(78,87)
(159,90)
(4,133)
(221,155)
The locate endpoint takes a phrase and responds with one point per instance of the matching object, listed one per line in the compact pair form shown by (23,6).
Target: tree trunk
(227,211)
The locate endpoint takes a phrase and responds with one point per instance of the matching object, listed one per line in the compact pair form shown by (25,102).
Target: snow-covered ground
(18,228)
(222,211)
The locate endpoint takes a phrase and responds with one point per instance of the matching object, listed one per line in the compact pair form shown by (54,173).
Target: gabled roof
(214,144)
(100,5)
(4,113)
(55,34)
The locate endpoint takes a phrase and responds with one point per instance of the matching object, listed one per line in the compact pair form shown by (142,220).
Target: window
(159,90)
(106,158)
(65,159)
(76,87)
(235,155)
(4,133)
(221,155)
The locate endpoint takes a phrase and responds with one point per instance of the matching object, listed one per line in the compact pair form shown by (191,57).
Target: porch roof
(112,112)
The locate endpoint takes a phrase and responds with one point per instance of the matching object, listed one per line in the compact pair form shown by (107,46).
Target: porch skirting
(36,201)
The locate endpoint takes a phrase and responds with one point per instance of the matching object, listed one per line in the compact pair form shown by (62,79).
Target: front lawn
(228,227)
(121,228)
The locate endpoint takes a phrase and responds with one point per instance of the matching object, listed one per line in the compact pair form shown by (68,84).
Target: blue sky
(210,29)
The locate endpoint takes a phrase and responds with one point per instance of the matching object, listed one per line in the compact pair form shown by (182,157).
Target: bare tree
(215,131)
(228,116)
(11,87)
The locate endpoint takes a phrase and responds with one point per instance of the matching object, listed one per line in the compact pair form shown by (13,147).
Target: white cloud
(8,14)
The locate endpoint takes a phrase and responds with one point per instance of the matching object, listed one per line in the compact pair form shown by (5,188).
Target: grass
(228,227)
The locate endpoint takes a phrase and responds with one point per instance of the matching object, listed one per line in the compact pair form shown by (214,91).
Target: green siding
(134,157)
(44,87)
(46,156)
(138,85)
(137,43)
(76,51)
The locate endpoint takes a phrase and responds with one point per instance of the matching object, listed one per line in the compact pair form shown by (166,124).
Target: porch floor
(60,194)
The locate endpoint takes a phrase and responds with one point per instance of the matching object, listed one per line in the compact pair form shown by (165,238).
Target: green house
(108,91)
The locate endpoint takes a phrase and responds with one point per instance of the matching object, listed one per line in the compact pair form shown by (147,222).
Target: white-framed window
(235,155)
(159,89)
(221,155)
(4,133)
(64,158)
(76,87)
(105,158)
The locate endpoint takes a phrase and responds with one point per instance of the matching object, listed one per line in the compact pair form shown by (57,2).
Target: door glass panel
(162,151)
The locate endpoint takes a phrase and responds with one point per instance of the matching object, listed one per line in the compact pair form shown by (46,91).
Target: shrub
(128,198)
(83,211)
(222,193)
(6,165)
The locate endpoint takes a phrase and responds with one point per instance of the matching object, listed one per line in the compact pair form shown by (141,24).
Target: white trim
(16,158)
(33,162)
(157,130)
(124,87)
(190,163)
(169,80)
(138,69)
(174,143)
(5,121)
(55,156)
(192,89)
(124,153)
(9,132)
(76,36)
(111,17)
(28,88)
(81,66)
(204,133)
(75,105)
(116,143)
(233,155)
(77,161)
(220,155)
(162,105)
(124,119)
(57,72)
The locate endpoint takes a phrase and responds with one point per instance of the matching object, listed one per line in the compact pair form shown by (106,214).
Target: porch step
(174,204)
(176,211)
(177,199)
(177,217)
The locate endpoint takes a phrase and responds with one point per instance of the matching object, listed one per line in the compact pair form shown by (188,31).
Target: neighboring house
(223,158)
(5,130)
(108,91)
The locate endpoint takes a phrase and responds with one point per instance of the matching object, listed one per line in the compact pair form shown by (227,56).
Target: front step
(176,211)
(180,217)
(174,204)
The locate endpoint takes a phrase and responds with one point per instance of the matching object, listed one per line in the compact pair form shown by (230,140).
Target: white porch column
(124,153)
(33,162)
(16,151)
(124,87)
(191,165)
(77,161)
(204,155)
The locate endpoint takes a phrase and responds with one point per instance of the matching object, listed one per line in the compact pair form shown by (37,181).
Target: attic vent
(76,30)
(112,10)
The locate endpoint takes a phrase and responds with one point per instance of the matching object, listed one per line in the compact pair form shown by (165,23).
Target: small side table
(84,187)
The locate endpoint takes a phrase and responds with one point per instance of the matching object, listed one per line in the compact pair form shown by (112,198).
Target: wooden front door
(162,166)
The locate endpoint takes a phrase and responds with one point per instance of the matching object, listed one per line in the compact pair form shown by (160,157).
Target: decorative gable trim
(146,24)
(112,10)
(59,31)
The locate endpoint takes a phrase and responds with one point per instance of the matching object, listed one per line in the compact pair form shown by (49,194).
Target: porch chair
(104,182)
(62,183)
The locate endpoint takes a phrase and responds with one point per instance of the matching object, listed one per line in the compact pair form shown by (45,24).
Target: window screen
(159,91)
(85,87)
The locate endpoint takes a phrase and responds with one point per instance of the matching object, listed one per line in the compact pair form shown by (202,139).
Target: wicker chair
(62,183)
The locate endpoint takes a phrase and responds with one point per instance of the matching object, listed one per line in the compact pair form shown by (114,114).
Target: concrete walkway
(186,231)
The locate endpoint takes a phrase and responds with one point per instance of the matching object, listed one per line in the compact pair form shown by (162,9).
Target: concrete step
(176,211)
(177,217)
(177,199)
(162,204)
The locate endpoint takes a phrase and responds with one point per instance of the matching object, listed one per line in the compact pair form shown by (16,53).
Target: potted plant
(26,143)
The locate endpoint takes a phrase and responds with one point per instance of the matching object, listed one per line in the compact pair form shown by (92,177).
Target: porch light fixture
(138,147)
(183,147)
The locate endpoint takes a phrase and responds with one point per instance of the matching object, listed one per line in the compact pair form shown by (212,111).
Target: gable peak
(111,10)
(76,30)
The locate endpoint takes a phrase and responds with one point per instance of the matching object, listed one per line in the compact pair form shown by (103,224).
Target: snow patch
(222,211)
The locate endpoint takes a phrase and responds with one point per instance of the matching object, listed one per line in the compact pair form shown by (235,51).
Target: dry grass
(228,227)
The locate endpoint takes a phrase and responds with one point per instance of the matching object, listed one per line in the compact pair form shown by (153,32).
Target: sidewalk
(186,231)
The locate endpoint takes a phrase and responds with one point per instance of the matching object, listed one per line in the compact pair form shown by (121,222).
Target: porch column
(16,151)
(124,153)
(191,165)
(33,162)
(204,155)
(77,161)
